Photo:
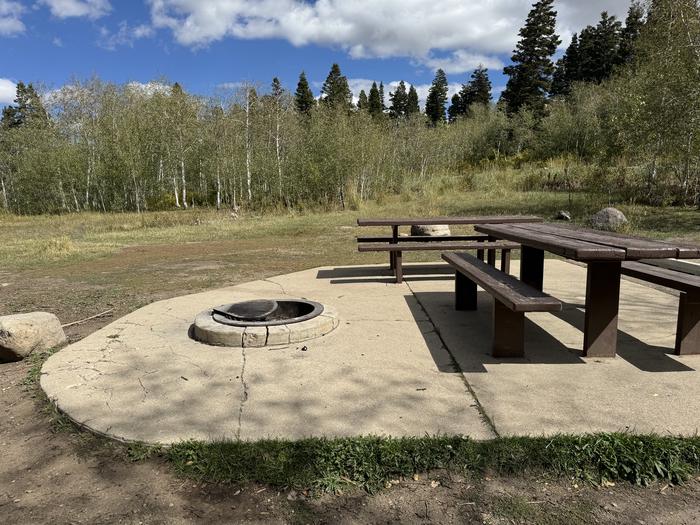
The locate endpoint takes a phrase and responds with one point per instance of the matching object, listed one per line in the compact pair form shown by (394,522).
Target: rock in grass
(433,230)
(563,215)
(610,219)
(22,334)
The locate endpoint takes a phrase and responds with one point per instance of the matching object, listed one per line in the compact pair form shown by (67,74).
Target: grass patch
(328,465)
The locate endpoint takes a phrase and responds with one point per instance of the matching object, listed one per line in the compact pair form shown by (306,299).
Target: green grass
(45,241)
(328,465)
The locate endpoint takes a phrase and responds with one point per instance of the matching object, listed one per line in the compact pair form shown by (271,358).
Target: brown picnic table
(603,254)
(415,243)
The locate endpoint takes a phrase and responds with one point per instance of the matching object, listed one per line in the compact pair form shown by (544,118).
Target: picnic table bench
(396,244)
(512,298)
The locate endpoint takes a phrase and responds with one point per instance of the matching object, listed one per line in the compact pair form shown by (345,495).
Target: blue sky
(204,44)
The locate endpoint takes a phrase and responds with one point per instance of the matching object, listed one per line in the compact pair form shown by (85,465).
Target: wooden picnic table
(603,252)
(395,223)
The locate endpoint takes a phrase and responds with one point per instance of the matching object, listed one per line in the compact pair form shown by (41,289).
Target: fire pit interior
(263,322)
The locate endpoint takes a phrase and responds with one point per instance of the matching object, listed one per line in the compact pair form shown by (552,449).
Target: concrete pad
(554,389)
(383,370)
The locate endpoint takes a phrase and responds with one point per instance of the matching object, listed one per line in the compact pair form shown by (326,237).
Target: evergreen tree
(374,102)
(478,91)
(381,96)
(28,109)
(532,69)
(399,101)
(336,91)
(630,33)
(456,108)
(304,99)
(276,89)
(412,106)
(362,102)
(598,49)
(437,97)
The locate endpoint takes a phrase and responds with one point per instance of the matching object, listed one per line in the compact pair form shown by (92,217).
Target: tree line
(623,100)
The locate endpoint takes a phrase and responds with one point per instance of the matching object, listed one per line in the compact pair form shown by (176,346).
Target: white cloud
(123,36)
(8,91)
(464,32)
(78,8)
(10,18)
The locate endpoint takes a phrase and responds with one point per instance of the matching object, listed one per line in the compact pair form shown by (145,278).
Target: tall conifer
(336,91)
(304,99)
(437,97)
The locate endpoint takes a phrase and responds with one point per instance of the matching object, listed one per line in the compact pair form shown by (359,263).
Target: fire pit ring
(263,322)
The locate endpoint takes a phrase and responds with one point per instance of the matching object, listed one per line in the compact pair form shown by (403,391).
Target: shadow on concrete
(382,274)
(468,337)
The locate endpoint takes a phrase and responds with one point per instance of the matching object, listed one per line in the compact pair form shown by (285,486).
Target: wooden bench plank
(672,264)
(478,219)
(513,293)
(569,248)
(424,238)
(662,276)
(635,248)
(447,246)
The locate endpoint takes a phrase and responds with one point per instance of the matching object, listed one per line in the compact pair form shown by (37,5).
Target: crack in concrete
(244,393)
(145,391)
(455,365)
(284,292)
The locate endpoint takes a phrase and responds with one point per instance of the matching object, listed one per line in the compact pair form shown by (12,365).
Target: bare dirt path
(50,475)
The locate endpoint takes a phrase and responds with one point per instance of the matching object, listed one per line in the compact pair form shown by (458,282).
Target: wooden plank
(635,248)
(477,219)
(672,264)
(569,248)
(662,276)
(425,238)
(448,246)
(516,295)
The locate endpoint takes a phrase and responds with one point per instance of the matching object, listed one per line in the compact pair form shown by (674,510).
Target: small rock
(22,334)
(433,230)
(292,496)
(563,215)
(610,219)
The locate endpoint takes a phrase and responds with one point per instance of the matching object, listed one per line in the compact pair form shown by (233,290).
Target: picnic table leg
(465,293)
(394,240)
(505,261)
(602,305)
(480,254)
(532,266)
(508,331)
(398,267)
(491,254)
(688,330)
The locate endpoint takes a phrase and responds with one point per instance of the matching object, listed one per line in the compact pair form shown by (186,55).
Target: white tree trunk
(218,188)
(278,150)
(184,183)
(4,194)
(247,144)
(176,192)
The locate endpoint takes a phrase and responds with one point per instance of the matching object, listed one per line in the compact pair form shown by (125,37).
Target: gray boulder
(22,334)
(610,219)
(563,215)
(433,230)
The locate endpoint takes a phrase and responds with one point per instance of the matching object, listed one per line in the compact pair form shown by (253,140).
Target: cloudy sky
(208,43)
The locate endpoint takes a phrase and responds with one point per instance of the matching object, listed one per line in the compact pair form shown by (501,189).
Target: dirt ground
(55,475)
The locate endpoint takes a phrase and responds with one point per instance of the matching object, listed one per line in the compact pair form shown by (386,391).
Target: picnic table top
(477,219)
(584,244)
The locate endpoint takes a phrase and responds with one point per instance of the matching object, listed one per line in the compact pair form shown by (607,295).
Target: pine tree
(412,106)
(437,97)
(630,33)
(381,96)
(478,91)
(276,89)
(304,99)
(598,49)
(336,91)
(399,101)
(456,108)
(374,102)
(28,109)
(362,102)
(532,69)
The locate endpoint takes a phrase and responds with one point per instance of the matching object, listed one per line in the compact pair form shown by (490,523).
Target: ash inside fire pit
(263,312)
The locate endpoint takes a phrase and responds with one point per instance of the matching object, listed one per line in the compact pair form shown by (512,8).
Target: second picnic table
(603,253)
